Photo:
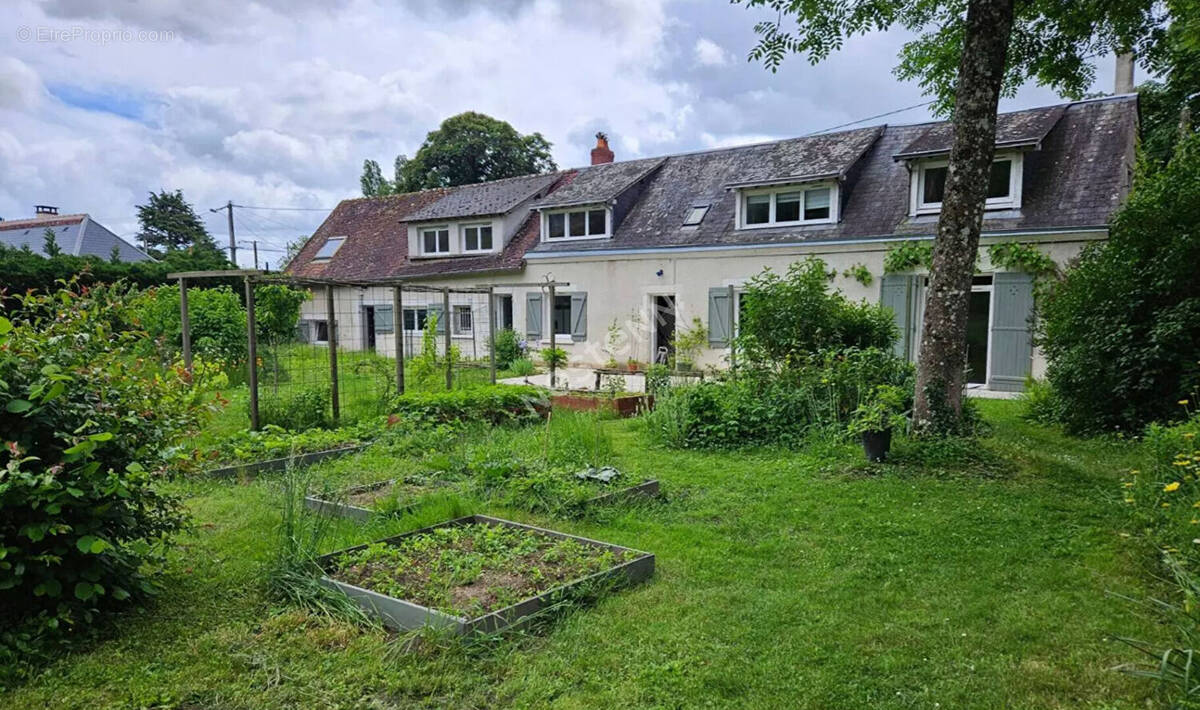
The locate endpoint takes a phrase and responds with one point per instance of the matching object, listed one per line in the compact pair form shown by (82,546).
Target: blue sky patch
(118,102)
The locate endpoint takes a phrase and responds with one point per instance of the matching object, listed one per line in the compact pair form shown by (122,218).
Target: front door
(979,328)
(664,329)
(369,326)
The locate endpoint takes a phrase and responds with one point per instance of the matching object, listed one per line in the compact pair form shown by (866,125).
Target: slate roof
(830,155)
(485,198)
(601,183)
(1076,180)
(76,234)
(1019,129)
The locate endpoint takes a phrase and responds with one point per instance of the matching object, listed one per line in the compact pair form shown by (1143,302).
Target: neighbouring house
(75,234)
(647,246)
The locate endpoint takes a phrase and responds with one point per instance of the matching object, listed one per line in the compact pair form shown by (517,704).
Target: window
(791,205)
(436,241)
(1004,185)
(321,329)
(329,248)
(415,318)
(477,237)
(462,319)
(560,316)
(695,215)
(577,224)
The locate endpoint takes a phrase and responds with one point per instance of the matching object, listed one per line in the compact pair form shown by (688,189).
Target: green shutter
(383,319)
(1011,342)
(436,310)
(719,327)
(578,317)
(533,316)
(898,292)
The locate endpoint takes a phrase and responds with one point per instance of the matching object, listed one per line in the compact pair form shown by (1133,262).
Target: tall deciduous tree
(372,181)
(472,147)
(169,223)
(968,53)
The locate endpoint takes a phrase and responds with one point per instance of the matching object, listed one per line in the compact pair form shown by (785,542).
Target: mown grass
(784,579)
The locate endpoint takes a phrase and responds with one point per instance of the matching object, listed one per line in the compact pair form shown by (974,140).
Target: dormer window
(435,240)
(1004,184)
(477,237)
(789,205)
(329,248)
(576,223)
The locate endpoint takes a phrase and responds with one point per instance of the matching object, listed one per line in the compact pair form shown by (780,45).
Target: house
(76,234)
(651,243)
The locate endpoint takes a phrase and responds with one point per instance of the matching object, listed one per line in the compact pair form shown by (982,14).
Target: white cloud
(710,54)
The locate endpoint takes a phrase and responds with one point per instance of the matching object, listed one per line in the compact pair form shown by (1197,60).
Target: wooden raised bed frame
(623,406)
(404,615)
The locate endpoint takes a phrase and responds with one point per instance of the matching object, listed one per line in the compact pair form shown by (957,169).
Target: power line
(286,209)
(868,118)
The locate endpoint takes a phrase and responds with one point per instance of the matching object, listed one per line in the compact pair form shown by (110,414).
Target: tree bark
(941,366)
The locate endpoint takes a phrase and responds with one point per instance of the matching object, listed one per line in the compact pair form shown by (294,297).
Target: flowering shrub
(83,421)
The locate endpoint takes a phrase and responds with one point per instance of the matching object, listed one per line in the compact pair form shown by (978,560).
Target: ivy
(860,273)
(1014,256)
(907,256)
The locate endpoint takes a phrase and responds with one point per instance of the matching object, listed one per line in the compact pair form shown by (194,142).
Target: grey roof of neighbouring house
(601,183)
(1075,179)
(1019,129)
(485,198)
(76,234)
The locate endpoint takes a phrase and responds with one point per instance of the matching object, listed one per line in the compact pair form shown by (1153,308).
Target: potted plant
(688,342)
(633,365)
(875,419)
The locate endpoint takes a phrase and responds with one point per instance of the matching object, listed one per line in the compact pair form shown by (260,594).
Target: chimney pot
(601,153)
(45,209)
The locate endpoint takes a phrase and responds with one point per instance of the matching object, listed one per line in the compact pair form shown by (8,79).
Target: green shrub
(508,348)
(658,379)
(1121,331)
(496,404)
(83,420)
(302,409)
(1041,403)
(522,367)
(554,357)
(216,316)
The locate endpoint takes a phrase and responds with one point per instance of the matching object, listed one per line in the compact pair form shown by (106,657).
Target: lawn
(784,579)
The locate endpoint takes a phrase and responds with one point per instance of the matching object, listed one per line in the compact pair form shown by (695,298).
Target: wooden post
(252,353)
(732,315)
(552,339)
(186,325)
(492,331)
(331,326)
(398,334)
(448,319)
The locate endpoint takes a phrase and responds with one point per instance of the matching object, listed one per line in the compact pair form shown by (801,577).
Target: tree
(290,251)
(372,181)
(967,53)
(472,147)
(50,243)
(168,222)
(1168,107)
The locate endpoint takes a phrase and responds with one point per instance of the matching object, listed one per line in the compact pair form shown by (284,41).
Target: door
(979,330)
(504,312)
(369,326)
(664,329)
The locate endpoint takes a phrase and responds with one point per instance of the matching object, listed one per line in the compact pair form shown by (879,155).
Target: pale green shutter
(898,292)
(383,319)
(533,316)
(436,311)
(1011,342)
(719,327)
(578,317)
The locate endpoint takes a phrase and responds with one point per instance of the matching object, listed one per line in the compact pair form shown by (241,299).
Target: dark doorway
(978,328)
(664,329)
(369,326)
(504,312)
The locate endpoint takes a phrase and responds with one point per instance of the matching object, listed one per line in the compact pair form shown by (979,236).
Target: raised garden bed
(280,464)
(476,573)
(359,502)
(624,406)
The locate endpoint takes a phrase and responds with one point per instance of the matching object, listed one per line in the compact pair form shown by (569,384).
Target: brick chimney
(45,210)
(601,153)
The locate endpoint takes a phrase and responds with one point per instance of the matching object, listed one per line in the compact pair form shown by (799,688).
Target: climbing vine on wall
(906,256)
(860,273)
(1014,256)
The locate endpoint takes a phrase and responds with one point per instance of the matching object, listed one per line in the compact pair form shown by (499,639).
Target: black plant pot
(877,444)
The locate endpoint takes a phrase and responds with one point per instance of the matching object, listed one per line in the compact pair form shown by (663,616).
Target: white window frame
(476,226)
(566,212)
(457,328)
(317,329)
(321,259)
(438,228)
(774,191)
(416,319)
(1011,201)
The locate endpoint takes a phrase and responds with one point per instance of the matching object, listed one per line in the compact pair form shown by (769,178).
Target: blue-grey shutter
(533,316)
(384,323)
(719,327)
(578,317)
(897,292)
(1011,342)
(436,310)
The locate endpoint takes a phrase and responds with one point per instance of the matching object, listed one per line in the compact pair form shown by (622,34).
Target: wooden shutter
(384,323)
(898,292)
(533,316)
(578,317)
(1011,341)
(719,327)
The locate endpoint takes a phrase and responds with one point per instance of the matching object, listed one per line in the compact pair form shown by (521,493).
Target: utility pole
(232,244)
(255,243)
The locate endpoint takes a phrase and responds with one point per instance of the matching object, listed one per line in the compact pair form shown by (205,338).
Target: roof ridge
(34,221)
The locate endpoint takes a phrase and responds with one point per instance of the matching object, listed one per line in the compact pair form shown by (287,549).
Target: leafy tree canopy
(169,223)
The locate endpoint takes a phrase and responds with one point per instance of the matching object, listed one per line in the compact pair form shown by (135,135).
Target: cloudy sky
(276,103)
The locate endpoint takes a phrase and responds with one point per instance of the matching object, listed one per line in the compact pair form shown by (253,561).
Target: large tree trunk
(940,371)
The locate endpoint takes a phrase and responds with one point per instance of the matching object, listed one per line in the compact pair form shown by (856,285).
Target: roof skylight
(329,248)
(695,215)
